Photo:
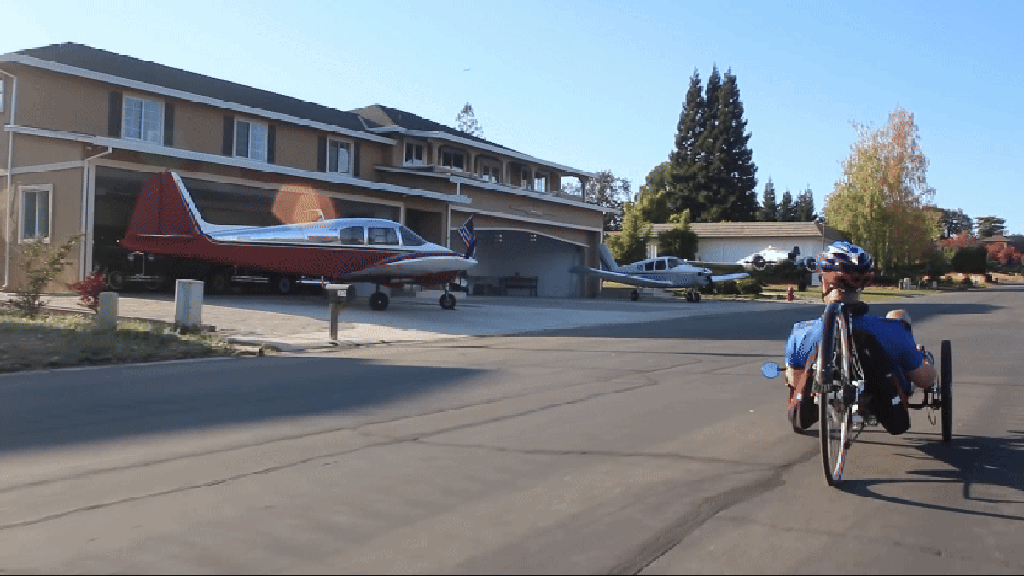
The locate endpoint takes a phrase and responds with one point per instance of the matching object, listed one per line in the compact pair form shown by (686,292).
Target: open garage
(523,262)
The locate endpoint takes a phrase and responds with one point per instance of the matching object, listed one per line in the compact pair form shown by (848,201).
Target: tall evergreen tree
(686,175)
(769,209)
(738,192)
(805,206)
(712,172)
(787,208)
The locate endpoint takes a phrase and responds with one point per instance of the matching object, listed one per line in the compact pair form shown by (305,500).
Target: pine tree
(738,189)
(466,122)
(805,206)
(787,208)
(712,173)
(686,176)
(769,209)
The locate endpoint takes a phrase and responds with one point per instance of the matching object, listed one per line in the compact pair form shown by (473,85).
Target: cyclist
(845,271)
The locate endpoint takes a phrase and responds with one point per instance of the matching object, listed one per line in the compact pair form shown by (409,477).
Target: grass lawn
(53,341)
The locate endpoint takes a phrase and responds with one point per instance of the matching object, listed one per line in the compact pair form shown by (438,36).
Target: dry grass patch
(52,341)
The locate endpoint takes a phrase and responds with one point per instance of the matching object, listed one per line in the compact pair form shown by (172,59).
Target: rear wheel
(115,280)
(634,295)
(833,382)
(447,301)
(282,284)
(218,282)
(378,301)
(946,390)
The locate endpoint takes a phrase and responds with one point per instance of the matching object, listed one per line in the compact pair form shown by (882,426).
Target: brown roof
(751,229)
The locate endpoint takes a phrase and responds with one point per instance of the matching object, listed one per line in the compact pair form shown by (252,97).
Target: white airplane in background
(662,272)
(772,256)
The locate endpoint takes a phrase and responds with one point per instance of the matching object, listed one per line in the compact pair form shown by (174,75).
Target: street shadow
(68,407)
(972,461)
(770,324)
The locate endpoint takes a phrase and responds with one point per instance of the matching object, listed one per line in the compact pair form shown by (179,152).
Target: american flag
(468,238)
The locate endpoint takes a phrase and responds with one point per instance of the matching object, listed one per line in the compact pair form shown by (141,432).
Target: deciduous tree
(610,191)
(879,201)
(630,244)
(466,122)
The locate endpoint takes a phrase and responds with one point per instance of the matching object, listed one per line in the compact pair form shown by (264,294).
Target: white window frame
(421,161)
(341,144)
(146,105)
(23,192)
(253,151)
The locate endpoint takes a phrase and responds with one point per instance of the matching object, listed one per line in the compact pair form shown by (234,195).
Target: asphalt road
(653,447)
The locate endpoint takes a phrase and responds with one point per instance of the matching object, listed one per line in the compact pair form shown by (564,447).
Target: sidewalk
(285,332)
(301,322)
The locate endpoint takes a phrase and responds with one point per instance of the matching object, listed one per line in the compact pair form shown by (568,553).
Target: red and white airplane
(166,222)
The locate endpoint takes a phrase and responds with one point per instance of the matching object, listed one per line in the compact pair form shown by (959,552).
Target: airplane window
(659,265)
(352,235)
(649,266)
(410,238)
(673,262)
(383,236)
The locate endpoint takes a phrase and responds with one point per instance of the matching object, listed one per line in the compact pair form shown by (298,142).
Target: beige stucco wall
(60,102)
(66,210)
(32,150)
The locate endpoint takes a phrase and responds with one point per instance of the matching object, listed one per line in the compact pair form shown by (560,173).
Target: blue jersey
(892,335)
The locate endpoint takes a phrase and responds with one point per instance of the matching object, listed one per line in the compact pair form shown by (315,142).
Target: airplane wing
(725,277)
(624,278)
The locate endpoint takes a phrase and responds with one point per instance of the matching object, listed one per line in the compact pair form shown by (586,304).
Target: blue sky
(600,85)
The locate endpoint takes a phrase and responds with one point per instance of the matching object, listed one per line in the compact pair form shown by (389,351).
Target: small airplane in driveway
(166,222)
(662,272)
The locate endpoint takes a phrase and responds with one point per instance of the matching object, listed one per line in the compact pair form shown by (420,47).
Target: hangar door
(503,252)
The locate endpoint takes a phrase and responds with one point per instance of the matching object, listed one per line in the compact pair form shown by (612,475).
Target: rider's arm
(924,375)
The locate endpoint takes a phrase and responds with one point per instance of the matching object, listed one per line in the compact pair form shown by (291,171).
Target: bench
(518,282)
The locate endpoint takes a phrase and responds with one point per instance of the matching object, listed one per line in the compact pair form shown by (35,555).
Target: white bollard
(188,304)
(106,311)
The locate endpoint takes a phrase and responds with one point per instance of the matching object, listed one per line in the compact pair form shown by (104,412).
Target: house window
(143,120)
(540,182)
(524,178)
(490,171)
(451,158)
(251,140)
(35,213)
(413,154)
(338,157)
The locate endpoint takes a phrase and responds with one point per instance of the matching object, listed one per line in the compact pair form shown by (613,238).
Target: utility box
(106,311)
(188,304)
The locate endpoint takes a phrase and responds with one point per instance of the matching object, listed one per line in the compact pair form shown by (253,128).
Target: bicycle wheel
(946,390)
(833,381)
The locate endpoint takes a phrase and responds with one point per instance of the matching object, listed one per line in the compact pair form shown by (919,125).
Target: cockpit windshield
(673,262)
(410,238)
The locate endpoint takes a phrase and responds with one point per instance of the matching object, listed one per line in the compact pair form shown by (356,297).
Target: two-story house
(85,127)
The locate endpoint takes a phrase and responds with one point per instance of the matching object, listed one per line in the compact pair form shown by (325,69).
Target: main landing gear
(379,300)
(693,296)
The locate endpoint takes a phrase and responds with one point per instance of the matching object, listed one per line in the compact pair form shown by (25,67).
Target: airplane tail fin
(607,260)
(164,209)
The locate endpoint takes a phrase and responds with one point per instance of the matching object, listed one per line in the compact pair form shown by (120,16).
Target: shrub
(729,287)
(42,263)
(966,282)
(90,288)
(750,286)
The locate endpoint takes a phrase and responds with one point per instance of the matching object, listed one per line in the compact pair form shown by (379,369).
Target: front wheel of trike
(946,390)
(833,378)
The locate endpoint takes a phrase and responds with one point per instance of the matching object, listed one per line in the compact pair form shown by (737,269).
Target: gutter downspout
(88,205)
(10,157)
